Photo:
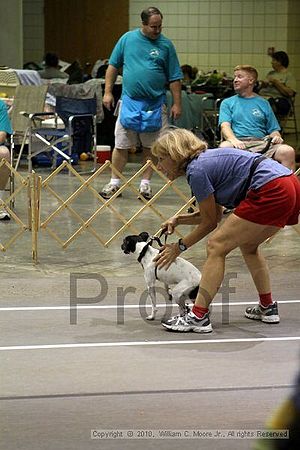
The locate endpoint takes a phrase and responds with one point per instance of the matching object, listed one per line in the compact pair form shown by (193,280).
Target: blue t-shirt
(148,64)
(4,119)
(248,117)
(224,171)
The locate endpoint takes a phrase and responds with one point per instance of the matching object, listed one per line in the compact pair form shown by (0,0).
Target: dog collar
(144,251)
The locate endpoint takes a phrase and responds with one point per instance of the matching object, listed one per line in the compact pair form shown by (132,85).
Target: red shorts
(277,203)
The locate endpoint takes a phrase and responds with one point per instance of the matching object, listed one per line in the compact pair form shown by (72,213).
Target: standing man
(149,64)
(246,119)
(5,129)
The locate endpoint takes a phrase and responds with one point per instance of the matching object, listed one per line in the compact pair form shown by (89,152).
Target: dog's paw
(150,317)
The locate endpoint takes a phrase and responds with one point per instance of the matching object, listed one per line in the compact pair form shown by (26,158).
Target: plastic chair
(8,82)
(77,135)
(28,100)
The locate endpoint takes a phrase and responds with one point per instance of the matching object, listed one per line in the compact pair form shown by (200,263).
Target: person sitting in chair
(247,120)
(52,68)
(5,129)
(280,85)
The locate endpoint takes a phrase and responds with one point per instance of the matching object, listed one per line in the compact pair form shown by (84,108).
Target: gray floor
(115,371)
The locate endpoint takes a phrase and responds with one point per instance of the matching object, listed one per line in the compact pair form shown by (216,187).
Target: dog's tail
(193,294)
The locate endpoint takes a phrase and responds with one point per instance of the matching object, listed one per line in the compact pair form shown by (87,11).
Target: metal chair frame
(52,137)
(288,123)
(210,119)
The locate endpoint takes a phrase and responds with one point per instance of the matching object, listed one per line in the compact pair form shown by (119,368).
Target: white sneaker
(188,322)
(4,214)
(109,190)
(145,191)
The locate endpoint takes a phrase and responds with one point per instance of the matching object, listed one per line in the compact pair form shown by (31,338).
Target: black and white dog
(182,275)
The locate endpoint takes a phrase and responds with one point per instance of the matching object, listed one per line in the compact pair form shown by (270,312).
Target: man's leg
(147,155)
(145,187)
(285,154)
(4,175)
(119,160)
(225,144)
(124,140)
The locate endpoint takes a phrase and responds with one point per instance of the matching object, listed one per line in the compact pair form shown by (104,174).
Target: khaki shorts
(126,139)
(259,145)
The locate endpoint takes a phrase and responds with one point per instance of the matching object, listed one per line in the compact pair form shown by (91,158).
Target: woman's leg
(266,310)
(234,232)
(258,268)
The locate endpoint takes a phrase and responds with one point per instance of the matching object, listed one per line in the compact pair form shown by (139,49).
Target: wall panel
(85,30)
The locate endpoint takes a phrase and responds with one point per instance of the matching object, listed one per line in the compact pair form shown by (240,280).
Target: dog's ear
(129,244)
(144,236)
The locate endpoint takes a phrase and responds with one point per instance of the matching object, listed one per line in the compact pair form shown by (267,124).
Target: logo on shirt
(154,53)
(256,112)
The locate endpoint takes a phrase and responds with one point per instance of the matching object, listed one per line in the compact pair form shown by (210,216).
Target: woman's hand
(170,225)
(167,256)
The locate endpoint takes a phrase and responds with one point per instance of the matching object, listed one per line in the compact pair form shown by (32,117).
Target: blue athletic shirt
(224,171)
(248,117)
(148,64)
(4,119)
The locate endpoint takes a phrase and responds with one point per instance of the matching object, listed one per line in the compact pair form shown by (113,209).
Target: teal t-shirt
(248,117)
(4,119)
(148,65)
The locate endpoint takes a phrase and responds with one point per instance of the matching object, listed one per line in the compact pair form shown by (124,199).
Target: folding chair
(28,100)
(209,120)
(77,135)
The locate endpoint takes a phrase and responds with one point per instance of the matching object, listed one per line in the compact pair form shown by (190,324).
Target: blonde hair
(249,69)
(179,144)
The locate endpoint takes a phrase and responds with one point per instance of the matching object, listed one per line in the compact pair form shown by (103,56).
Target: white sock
(115,181)
(144,181)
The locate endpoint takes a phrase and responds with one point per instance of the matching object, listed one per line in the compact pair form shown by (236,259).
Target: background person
(219,177)
(5,129)
(189,75)
(52,68)
(280,85)
(285,417)
(149,63)
(246,119)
